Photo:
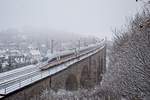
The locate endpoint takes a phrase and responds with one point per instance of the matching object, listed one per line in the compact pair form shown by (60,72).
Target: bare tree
(129,69)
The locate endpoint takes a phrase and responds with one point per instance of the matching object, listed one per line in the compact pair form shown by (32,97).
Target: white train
(63,56)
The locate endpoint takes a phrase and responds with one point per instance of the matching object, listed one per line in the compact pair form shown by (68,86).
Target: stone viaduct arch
(71,83)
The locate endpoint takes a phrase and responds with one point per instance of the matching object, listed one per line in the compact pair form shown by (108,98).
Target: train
(58,58)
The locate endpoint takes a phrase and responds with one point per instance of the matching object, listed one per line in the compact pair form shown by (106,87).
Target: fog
(94,17)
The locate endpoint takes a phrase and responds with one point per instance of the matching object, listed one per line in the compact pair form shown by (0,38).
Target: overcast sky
(95,17)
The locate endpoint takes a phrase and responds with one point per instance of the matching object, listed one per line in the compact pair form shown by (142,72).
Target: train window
(53,59)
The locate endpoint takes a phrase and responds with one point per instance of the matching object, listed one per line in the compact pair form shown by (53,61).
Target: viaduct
(85,73)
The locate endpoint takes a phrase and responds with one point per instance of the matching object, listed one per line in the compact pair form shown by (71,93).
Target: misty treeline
(128,73)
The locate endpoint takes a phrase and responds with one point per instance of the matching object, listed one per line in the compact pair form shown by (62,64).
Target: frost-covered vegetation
(129,68)
(128,74)
(96,93)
